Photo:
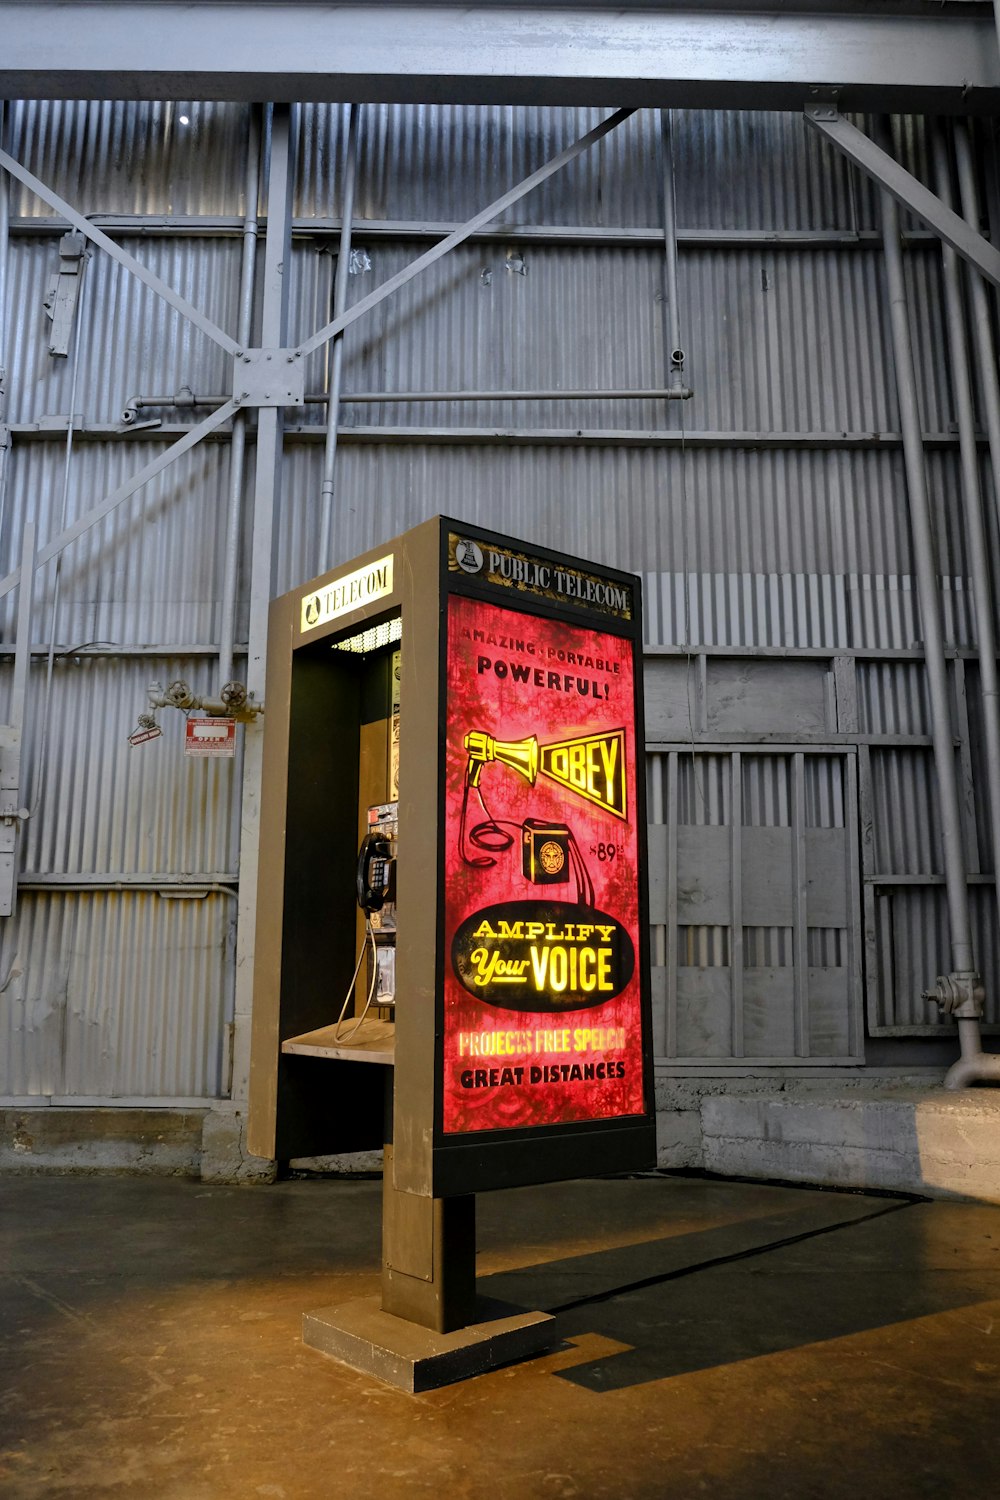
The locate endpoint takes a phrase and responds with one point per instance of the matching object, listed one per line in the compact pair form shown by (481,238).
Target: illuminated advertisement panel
(542,1018)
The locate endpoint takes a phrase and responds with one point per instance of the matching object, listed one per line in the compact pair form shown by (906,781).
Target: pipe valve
(235,702)
(234,696)
(960,995)
(179,695)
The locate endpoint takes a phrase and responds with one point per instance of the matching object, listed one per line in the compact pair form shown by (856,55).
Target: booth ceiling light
(372,639)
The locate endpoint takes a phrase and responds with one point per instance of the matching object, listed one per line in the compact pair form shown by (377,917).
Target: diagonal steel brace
(332,329)
(906,189)
(318,339)
(97,236)
(463,232)
(122,493)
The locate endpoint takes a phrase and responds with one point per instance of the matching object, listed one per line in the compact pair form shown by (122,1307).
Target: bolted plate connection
(269,377)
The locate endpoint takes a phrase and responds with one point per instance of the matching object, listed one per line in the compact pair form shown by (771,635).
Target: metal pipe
(4,249)
(676,354)
(165,885)
(186,398)
(974,1065)
(234,702)
(616,393)
(216,707)
(972,499)
(43,752)
(237,453)
(927,591)
(986,367)
(336,365)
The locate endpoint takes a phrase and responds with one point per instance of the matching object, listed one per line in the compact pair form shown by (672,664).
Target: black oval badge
(542,956)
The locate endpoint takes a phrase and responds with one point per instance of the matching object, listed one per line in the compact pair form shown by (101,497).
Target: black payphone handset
(376,868)
(375,888)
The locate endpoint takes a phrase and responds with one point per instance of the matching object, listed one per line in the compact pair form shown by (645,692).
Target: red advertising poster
(542,1014)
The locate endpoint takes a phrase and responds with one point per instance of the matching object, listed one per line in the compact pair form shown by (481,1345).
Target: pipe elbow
(981,1067)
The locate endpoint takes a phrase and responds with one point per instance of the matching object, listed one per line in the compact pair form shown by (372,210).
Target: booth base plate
(415,1358)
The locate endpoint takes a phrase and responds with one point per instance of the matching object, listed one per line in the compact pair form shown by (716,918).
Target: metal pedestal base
(415,1358)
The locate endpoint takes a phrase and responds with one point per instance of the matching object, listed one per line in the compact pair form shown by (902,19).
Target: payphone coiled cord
(369,938)
(492,837)
(489,835)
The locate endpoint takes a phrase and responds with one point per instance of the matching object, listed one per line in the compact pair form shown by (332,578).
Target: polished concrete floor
(717,1339)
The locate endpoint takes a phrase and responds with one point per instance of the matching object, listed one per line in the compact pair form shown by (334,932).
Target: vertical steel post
(267,489)
(237,451)
(925,566)
(337,351)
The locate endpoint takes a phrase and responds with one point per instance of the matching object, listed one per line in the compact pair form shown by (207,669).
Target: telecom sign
(543,1013)
(364,586)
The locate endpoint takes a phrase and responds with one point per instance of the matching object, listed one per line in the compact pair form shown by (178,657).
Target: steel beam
(194,226)
(907,57)
(907,190)
(267,491)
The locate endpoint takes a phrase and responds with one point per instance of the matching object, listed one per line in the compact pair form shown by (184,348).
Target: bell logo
(469,556)
(592,765)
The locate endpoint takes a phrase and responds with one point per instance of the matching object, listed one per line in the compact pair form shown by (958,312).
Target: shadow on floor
(731,1293)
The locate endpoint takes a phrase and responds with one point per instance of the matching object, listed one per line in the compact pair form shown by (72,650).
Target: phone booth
(452,916)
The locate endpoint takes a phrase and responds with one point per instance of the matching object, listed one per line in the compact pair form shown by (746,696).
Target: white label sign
(364,586)
(210,737)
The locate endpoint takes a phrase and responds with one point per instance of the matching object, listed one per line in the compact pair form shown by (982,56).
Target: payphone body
(518,1046)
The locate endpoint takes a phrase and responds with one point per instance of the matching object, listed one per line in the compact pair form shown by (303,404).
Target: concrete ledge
(97,1139)
(907,1140)
(852,1131)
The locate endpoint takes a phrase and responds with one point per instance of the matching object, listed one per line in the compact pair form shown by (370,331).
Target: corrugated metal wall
(756,930)
(767,514)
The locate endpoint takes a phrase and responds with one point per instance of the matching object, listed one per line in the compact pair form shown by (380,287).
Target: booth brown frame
(298,1107)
